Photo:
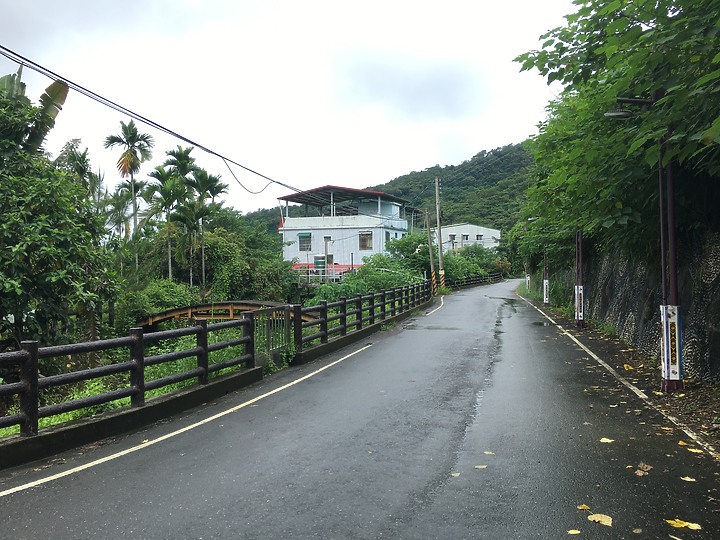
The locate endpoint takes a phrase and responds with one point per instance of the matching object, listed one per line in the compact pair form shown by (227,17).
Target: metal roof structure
(326,195)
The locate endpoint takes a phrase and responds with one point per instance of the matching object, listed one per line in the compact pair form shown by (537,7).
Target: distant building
(455,237)
(353,224)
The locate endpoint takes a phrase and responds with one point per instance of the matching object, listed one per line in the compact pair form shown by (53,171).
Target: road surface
(477,418)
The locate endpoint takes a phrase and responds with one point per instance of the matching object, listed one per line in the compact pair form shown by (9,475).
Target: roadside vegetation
(95,261)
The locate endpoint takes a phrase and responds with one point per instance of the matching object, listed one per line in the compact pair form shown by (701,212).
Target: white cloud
(308,93)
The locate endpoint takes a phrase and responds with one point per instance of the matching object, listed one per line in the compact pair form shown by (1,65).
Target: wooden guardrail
(31,383)
(475,280)
(292,330)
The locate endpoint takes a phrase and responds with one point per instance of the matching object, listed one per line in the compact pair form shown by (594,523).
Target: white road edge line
(178,432)
(639,393)
(442,303)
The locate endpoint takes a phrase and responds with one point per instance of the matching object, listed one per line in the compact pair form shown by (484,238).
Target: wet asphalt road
(477,420)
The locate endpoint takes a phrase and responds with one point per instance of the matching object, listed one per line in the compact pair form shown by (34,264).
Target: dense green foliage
(67,246)
(50,252)
(409,262)
(600,174)
(486,190)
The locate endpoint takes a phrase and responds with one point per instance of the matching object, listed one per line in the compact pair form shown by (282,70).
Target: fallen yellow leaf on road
(455,474)
(687,479)
(481,466)
(602,519)
(573,531)
(682,443)
(487,453)
(583,507)
(679,524)
(628,367)
(666,428)
(606,440)
(695,450)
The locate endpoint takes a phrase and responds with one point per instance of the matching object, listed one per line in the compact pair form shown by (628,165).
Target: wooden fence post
(29,395)
(393,302)
(383,305)
(249,332)
(137,373)
(297,332)
(203,359)
(358,312)
(371,307)
(343,316)
(323,321)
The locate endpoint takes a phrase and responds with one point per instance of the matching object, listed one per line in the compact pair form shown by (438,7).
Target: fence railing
(266,332)
(475,280)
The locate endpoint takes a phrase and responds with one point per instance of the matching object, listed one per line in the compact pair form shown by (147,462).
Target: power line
(19,59)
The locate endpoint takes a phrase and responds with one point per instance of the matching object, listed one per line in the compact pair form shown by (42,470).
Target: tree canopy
(601,175)
(50,252)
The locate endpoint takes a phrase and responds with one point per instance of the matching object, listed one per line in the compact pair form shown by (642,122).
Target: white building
(455,237)
(353,224)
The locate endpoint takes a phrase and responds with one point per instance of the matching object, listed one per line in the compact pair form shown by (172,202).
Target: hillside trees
(486,190)
(50,252)
(136,149)
(601,175)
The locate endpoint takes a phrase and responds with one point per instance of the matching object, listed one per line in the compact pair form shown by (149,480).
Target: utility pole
(432,259)
(439,233)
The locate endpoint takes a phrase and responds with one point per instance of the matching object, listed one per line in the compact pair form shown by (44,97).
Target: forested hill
(486,190)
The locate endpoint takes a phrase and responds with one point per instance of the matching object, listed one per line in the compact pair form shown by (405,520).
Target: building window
(365,241)
(478,237)
(387,236)
(452,237)
(466,237)
(304,242)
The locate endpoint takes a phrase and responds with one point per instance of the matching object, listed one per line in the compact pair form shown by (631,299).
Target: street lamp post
(670,313)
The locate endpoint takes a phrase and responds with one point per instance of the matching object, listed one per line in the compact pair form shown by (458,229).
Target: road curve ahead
(476,419)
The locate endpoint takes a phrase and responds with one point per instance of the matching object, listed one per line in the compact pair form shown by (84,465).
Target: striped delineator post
(671,348)
(579,303)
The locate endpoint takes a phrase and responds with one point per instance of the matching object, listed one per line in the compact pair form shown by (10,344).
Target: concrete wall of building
(344,233)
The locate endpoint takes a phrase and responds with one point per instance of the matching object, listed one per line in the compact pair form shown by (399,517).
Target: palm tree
(163,196)
(191,214)
(206,186)
(179,161)
(136,149)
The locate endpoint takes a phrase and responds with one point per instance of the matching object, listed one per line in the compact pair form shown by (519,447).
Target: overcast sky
(308,93)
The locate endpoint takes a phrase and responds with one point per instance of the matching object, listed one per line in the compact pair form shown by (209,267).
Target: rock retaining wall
(625,292)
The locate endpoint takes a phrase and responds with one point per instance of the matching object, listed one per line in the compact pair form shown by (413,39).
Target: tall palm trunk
(169,243)
(202,251)
(192,253)
(169,257)
(135,224)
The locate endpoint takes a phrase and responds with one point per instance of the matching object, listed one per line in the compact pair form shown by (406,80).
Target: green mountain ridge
(486,190)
